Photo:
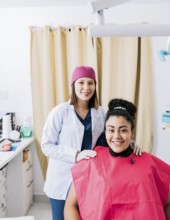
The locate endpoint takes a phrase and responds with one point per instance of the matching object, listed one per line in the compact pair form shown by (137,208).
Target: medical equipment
(101,29)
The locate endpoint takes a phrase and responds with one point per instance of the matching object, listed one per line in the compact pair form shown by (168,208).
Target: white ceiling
(43,3)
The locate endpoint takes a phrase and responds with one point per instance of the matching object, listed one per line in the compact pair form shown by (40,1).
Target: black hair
(124,108)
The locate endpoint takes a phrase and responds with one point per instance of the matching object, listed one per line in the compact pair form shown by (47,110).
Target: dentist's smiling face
(84,88)
(118,133)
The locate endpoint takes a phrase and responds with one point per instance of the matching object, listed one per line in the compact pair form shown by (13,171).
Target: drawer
(3,172)
(3,209)
(27,165)
(2,181)
(3,196)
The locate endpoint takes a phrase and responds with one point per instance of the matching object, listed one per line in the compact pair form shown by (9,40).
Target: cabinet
(3,192)
(27,179)
(18,178)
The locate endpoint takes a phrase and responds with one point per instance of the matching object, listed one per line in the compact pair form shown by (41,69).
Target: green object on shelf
(26,133)
(26,130)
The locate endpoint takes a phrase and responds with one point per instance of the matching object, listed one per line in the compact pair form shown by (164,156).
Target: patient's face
(118,133)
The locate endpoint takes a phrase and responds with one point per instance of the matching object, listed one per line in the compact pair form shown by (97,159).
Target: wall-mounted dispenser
(166,117)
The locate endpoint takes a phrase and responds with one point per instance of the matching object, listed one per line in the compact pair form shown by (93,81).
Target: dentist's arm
(136,149)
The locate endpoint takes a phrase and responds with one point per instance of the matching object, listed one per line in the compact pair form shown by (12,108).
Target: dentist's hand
(85,154)
(136,149)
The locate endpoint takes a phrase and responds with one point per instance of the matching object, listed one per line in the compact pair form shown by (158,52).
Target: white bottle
(26,130)
(6,126)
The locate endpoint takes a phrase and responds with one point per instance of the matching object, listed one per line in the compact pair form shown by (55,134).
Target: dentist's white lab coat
(62,138)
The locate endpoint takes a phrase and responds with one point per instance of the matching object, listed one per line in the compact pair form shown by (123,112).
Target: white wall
(15,88)
(161,97)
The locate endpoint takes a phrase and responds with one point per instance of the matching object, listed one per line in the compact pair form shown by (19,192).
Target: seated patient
(117,184)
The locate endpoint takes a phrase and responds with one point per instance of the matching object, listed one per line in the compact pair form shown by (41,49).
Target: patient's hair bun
(122,105)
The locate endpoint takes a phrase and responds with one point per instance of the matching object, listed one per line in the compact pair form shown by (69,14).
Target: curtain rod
(38,28)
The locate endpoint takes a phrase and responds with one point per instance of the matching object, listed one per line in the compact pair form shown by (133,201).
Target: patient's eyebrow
(123,126)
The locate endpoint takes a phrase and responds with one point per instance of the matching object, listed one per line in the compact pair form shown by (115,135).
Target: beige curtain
(122,65)
(125,72)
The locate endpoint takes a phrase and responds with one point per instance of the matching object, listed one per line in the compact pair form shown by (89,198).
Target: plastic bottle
(26,130)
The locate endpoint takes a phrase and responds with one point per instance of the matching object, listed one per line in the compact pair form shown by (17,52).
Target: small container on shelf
(26,130)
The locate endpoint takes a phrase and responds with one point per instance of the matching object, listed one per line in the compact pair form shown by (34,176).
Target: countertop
(6,157)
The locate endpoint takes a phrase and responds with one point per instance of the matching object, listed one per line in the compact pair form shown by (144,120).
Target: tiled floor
(41,211)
